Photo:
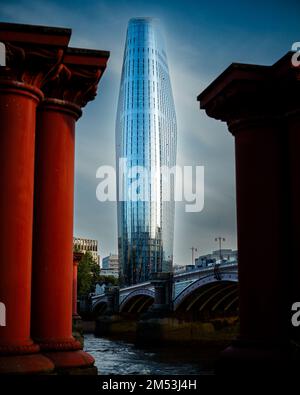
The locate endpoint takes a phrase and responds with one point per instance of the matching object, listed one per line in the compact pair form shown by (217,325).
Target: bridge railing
(224,266)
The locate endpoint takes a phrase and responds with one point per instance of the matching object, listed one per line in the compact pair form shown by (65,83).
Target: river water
(119,357)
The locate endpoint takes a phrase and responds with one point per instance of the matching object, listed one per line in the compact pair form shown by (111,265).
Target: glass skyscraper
(146,135)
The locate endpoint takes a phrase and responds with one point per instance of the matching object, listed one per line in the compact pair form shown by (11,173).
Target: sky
(202,39)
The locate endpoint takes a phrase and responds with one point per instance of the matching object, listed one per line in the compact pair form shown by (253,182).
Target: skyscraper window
(145,118)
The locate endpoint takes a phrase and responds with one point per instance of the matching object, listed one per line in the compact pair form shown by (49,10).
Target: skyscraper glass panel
(146,135)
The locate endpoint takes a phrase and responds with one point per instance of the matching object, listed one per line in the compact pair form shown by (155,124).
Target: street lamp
(194,249)
(220,240)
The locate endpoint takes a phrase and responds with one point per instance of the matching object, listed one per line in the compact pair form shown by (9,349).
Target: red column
(293,128)
(53,222)
(76,259)
(252,100)
(18,103)
(260,170)
(288,81)
(75,268)
(53,234)
(32,54)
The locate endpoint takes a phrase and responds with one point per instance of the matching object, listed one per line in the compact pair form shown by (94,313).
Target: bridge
(198,292)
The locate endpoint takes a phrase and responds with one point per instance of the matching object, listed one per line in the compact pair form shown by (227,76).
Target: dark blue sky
(202,39)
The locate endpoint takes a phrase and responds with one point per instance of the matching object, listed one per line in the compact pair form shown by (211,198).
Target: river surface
(119,357)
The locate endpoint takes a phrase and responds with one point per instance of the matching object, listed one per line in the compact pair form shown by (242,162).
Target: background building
(84,245)
(203,261)
(227,255)
(146,135)
(110,266)
(179,269)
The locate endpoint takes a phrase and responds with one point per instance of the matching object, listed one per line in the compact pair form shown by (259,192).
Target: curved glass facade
(146,135)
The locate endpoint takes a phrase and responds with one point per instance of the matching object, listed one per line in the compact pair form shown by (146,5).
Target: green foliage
(76,248)
(108,280)
(89,275)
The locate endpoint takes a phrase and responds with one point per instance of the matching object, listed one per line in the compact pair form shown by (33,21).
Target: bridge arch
(100,306)
(137,301)
(209,296)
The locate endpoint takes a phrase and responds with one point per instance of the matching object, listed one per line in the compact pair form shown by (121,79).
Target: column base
(26,364)
(65,344)
(72,362)
(250,357)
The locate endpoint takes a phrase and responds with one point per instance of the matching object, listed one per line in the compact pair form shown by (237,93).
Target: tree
(88,275)
(108,280)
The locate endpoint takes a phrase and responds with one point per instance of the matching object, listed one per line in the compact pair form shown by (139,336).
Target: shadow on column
(260,105)
(32,56)
(74,85)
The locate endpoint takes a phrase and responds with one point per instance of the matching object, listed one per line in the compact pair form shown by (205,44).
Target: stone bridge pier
(112,297)
(163,291)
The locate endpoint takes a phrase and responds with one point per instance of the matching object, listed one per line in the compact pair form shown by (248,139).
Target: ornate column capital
(77,78)
(241,94)
(253,94)
(33,53)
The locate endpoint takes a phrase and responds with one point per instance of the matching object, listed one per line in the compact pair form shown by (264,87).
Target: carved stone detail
(75,84)
(31,65)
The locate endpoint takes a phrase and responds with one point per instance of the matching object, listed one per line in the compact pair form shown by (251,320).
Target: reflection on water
(118,357)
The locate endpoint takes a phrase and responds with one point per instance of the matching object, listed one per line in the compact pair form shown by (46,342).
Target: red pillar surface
(75,269)
(261,240)
(54,190)
(53,226)
(26,68)
(17,113)
(53,235)
(290,101)
(293,127)
(76,259)
(258,103)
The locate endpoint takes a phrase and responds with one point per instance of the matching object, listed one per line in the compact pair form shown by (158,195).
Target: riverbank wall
(168,330)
